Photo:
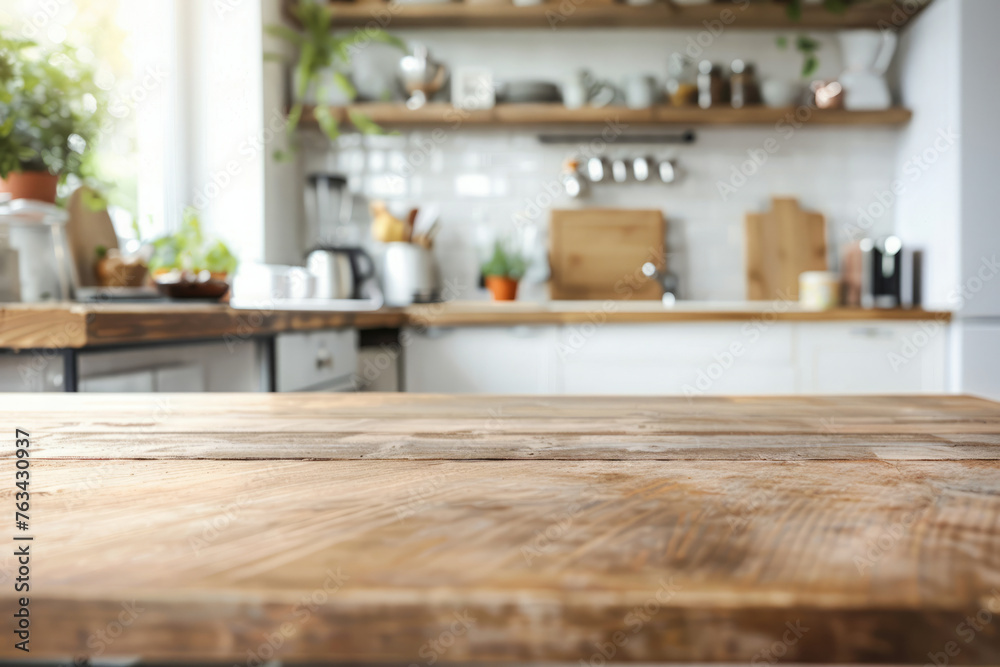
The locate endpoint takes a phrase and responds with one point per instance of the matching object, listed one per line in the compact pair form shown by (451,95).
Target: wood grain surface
(607,14)
(24,326)
(446,117)
(781,244)
(597,254)
(223,527)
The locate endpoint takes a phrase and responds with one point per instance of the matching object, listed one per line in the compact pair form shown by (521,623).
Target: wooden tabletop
(68,325)
(431,529)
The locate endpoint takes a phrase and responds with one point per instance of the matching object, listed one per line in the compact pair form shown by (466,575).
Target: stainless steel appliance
(421,76)
(410,275)
(329,206)
(340,272)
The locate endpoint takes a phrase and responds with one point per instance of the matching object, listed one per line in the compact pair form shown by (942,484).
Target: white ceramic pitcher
(867,54)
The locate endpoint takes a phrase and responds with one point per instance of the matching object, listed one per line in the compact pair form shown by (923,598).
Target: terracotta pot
(503,289)
(37,185)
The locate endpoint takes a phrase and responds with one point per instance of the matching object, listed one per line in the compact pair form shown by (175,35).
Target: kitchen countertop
(70,325)
(401,528)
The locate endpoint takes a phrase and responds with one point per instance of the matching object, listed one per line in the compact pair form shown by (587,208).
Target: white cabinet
(181,367)
(481,360)
(678,358)
(316,361)
(871,357)
(752,357)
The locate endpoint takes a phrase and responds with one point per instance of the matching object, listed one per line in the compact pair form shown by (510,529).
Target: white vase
(867,54)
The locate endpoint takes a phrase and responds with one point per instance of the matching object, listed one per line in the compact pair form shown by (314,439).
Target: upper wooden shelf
(448,117)
(605,14)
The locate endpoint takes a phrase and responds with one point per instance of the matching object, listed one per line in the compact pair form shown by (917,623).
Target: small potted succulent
(503,270)
(51,112)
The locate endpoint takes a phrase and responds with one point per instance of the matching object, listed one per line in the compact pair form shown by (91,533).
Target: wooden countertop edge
(77,326)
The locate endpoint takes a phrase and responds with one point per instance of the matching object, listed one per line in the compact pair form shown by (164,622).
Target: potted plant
(321,68)
(187,264)
(503,270)
(50,117)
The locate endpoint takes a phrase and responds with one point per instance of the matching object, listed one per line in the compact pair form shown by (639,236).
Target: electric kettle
(340,271)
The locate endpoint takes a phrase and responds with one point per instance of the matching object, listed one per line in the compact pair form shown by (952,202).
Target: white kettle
(867,54)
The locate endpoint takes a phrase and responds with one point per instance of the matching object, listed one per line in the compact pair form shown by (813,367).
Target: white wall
(951,209)
(928,210)
(980,204)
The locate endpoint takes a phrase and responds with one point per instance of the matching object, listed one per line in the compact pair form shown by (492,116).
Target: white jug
(867,54)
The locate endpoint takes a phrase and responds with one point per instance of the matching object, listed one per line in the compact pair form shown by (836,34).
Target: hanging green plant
(808,47)
(322,52)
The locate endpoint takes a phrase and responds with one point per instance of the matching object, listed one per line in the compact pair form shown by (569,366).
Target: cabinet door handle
(871,332)
(324,360)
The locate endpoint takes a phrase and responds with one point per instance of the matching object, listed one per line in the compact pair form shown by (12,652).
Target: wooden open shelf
(446,116)
(759,14)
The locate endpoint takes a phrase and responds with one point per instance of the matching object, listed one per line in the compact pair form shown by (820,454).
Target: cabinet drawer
(678,358)
(872,357)
(316,360)
(679,343)
(480,360)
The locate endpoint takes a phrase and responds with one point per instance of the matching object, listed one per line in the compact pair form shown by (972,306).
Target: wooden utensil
(780,245)
(599,253)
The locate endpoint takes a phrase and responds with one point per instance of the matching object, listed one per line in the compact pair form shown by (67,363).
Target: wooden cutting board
(597,254)
(780,245)
(87,230)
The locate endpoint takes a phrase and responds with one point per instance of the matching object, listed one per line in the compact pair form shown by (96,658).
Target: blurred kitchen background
(507,196)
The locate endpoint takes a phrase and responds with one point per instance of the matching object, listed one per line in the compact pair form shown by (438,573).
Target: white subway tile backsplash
(496,179)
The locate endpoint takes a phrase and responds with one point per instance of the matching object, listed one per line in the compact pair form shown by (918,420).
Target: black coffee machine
(890,276)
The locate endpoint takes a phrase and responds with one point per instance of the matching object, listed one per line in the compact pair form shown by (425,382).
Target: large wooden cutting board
(780,245)
(597,254)
(87,230)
